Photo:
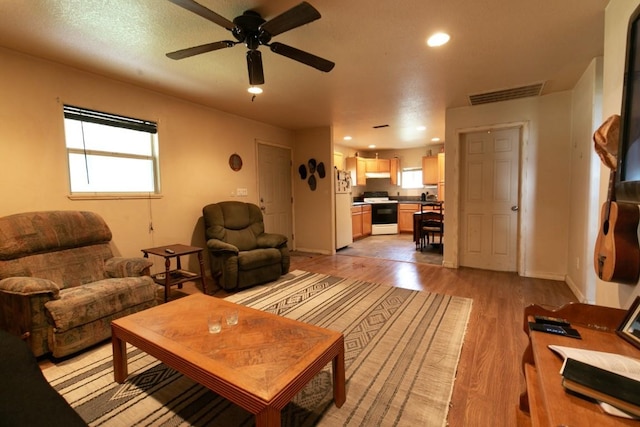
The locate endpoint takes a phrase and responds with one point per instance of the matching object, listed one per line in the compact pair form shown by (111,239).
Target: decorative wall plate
(235,162)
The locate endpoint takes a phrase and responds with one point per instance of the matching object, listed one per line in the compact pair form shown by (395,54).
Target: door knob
(515,208)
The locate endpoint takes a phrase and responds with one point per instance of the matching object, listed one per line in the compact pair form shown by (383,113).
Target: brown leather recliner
(241,253)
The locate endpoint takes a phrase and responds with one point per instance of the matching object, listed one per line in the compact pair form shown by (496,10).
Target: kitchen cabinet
(394,171)
(357,167)
(430,170)
(405,216)
(377,165)
(433,172)
(361,221)
(356,222)
(366,220)
(441,177)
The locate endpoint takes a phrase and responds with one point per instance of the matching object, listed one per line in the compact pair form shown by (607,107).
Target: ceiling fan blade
(198,9)
(197,50)
(254,65)
(292,18)
(302,56)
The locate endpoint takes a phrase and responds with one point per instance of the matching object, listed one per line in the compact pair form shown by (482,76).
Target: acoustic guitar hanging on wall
(617,253)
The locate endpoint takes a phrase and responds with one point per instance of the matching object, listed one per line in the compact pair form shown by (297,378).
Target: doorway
(274,189)
(489,197)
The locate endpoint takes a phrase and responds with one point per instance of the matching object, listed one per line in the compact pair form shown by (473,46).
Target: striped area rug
(401,354)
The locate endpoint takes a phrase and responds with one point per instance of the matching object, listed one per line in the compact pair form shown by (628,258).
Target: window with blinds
(108,153)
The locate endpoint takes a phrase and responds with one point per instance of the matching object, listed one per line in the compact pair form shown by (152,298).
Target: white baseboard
(544,275)
(574,289)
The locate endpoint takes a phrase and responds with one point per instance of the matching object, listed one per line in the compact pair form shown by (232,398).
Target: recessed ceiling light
(347,138)
(421,128)
(255,90)
(372,146)
(435,139)
(438,39)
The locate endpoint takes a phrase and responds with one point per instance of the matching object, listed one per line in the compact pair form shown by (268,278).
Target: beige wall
(586,114)
(545,174)
(616,18)
(314,210)
(195,144)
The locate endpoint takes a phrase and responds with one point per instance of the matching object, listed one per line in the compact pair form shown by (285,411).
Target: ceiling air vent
(506,94)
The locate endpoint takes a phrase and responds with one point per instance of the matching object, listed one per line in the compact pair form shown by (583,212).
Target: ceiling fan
(252,30)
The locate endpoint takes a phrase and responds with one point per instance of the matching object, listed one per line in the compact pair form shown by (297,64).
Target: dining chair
(431,224)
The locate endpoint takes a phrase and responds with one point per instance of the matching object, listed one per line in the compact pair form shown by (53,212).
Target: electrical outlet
(242,192)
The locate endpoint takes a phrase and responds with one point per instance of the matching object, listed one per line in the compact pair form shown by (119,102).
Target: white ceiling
(384,73)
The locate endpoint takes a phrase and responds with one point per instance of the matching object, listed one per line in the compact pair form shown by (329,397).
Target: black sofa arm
(26,398)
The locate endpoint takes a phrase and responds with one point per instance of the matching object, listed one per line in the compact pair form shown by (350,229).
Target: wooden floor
(489,379)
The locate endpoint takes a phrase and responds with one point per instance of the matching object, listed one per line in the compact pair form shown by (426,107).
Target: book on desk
(606,377)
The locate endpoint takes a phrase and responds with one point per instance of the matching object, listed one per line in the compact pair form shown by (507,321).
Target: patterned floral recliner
(61,286)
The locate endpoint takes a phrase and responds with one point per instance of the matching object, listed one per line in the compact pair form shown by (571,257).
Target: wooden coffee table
(259,364)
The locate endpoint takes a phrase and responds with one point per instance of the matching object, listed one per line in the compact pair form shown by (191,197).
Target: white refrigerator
(344,234)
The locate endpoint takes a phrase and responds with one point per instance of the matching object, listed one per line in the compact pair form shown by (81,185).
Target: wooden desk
(178,276)
(545,401)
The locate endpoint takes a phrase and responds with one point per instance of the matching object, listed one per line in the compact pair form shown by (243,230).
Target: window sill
(114,196)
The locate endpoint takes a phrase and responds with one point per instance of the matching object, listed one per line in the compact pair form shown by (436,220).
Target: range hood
(377,175)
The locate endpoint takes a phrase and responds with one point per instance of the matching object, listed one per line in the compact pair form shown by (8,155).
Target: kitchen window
(412,178)
(110,154)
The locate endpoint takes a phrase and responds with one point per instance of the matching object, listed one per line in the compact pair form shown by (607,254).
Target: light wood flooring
(489,379)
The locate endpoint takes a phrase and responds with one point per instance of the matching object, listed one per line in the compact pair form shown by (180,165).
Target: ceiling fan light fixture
(254,31)
(255,90)
(438,39)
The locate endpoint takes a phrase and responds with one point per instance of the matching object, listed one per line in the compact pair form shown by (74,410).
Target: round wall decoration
(235,162)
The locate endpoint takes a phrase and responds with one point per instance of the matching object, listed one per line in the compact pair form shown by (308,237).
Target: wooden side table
(178,276)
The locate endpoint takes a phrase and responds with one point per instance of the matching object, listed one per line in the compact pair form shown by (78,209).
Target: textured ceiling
(384,74)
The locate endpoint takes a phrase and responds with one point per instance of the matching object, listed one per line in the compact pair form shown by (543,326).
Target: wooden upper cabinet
(441,168)
(357,168)
(377,165)
(441,177)
(394,171)
(430,170)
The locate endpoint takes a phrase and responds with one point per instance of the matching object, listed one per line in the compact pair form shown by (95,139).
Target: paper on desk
(618,363)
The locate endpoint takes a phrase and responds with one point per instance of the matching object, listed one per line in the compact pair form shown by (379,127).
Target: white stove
(372,200)
(384,212)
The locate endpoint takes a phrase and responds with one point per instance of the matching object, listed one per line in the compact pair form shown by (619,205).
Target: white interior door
(274,176)
(489,190)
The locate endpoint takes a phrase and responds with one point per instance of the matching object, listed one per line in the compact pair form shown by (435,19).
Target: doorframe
(259,142)
(452,240)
